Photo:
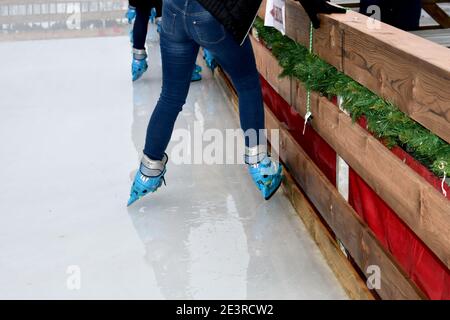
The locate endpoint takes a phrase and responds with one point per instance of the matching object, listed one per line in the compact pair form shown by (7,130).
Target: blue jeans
(186,26)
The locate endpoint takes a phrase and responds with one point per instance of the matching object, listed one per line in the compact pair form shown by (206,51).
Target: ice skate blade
(132,200)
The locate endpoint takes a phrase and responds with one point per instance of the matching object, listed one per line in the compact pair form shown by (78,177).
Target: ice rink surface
(72,127)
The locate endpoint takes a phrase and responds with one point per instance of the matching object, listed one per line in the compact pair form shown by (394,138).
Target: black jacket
(237,16)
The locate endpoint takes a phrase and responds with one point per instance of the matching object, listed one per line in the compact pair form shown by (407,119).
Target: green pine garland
(384,120)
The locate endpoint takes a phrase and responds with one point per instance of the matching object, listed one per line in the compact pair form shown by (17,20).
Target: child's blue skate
(148,179)
(139,64)
(266,174)
(130,14)
(196,76)
(138,68)
(209,59)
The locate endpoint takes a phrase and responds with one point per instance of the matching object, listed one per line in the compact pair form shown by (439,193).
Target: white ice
(72,126)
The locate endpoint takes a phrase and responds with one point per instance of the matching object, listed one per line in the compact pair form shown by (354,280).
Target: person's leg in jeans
(140,26)
(239,63)
(178,55)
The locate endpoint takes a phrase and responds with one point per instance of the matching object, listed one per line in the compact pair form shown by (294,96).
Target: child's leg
(140,26)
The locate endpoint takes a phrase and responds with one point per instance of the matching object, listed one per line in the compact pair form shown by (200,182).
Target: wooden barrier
(357,238)
(405,69)
(415,201)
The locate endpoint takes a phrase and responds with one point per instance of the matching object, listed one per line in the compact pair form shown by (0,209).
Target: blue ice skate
(130,14)
(138,68)
(209,59)
(196,76)
(139,64)
(266,174)
(148,179)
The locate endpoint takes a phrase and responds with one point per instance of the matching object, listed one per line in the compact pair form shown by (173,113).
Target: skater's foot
(138,68)
(148,179)
(266,174)
(139,64)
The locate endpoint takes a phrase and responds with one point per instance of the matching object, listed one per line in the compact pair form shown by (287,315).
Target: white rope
(444,192)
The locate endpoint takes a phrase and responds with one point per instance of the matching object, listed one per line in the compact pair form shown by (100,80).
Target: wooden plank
(409,71)
(415,201)
(417,85)
(349,228)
